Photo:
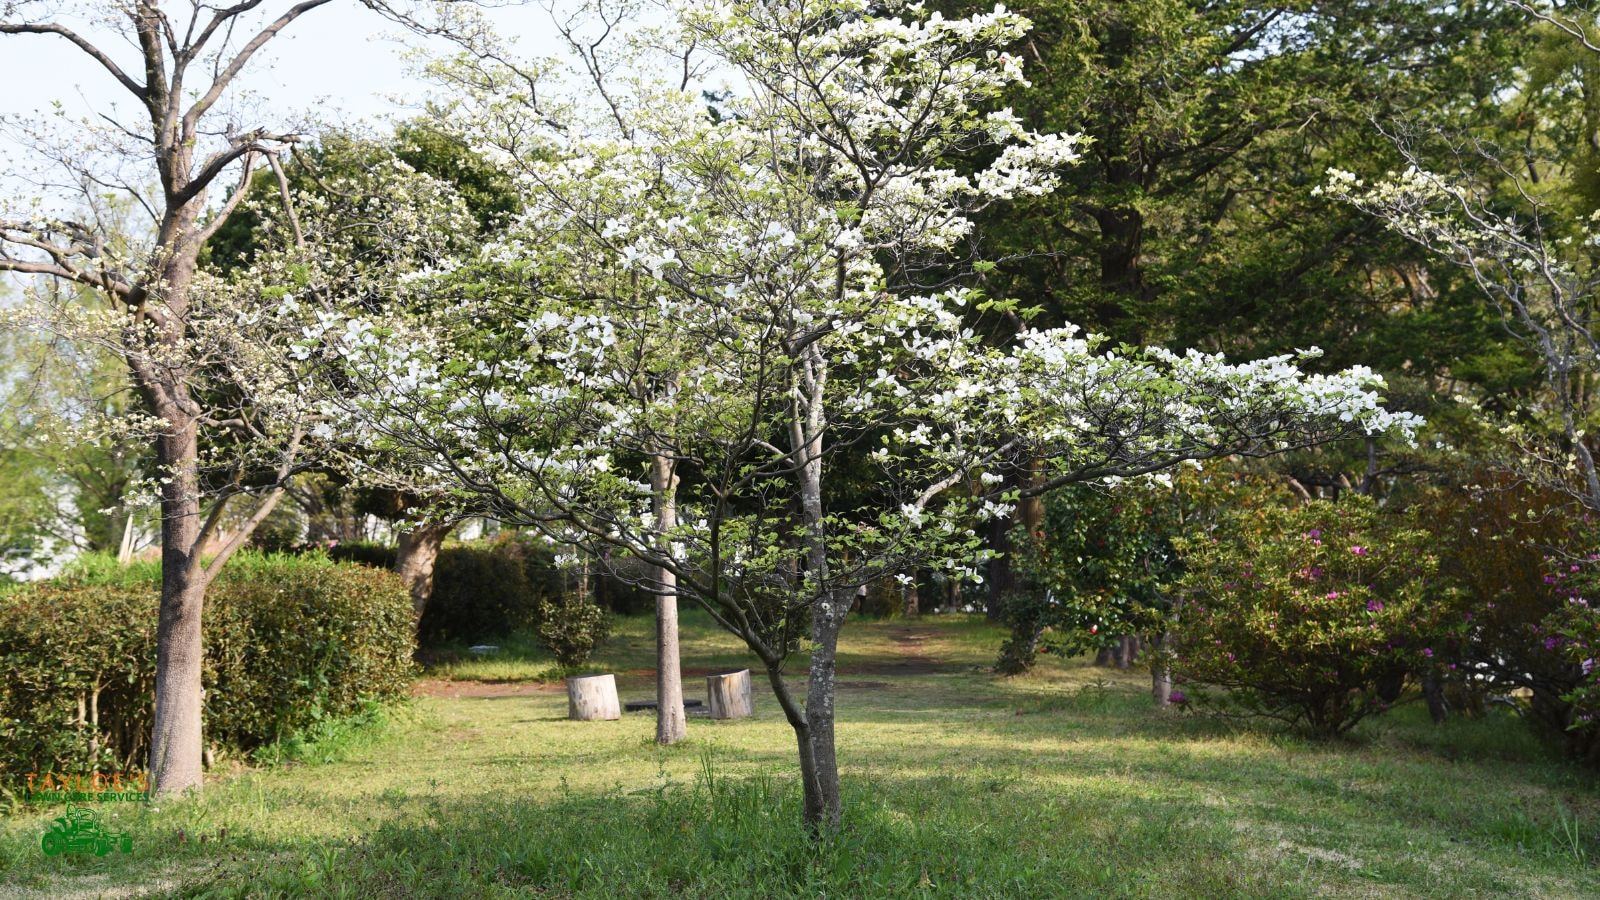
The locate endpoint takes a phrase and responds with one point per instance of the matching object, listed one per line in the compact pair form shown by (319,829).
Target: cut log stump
(728,695)
(593,697)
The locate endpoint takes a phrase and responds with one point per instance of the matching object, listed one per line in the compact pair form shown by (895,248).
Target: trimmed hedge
(479,593)
(289,640)
(486,590)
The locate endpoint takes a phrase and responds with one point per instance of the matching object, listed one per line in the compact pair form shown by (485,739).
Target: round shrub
(1101,564)
(292,640)
(571,628)
(289,640)
(1312,614)
(1512,547)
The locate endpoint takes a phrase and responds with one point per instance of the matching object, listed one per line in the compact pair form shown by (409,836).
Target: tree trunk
(417,551)
(829,608)
(1433,692)
(825,809)
(593,698)
(911,601)
(1125,651)
(729,696)
(1161,671)
(1104,657)
(999,568)
(671,724)
(175,741)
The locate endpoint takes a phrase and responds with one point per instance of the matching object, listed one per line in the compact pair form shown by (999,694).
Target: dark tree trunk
(414,559)
(1104,657)
(824,807)
(999,567)
(176,746)
(1433,693)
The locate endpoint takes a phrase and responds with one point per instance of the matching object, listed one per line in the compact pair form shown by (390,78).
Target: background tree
(354,164)
(1190,220)
(169,155)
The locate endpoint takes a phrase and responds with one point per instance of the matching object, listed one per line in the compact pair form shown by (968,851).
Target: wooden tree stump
(728,695)
(591,697)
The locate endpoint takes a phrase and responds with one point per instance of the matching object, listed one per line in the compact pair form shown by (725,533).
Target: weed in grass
(330,739)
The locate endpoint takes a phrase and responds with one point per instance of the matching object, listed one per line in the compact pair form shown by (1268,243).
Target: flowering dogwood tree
(217,410)
(1541,275)
(169,155)
(702,310)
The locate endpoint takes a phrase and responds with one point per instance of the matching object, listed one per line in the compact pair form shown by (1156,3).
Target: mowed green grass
(1062,783)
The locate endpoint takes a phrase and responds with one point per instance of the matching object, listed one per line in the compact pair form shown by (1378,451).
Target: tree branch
(237,64)
(83,44)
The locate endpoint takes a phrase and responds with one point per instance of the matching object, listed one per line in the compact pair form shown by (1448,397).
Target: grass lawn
(957,783)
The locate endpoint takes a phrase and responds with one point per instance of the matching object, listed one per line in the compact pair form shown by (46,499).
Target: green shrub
(480,592)
(1313,614)
(488,590)
(1101,564)
(366,553)
(292,640)
(1572,635)
(617,586)
(571,627)
(289,641)
(1500,540)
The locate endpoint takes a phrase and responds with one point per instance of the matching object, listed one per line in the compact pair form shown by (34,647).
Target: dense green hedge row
(487,590)
(289,640)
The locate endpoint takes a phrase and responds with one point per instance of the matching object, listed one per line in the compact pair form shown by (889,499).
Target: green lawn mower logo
(79,831)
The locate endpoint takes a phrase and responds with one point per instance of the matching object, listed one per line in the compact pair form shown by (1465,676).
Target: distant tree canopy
(1190,221)
(418,143)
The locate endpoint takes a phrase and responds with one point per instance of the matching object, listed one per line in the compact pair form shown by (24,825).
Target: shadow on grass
(726,837)
(934,835)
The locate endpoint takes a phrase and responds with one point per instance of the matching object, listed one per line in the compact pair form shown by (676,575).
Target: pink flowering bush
(1313,614)
(1573,632)
(1512,547)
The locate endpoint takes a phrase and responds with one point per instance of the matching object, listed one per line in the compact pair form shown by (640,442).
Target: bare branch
(232,69)
(81,43)
(1571,27)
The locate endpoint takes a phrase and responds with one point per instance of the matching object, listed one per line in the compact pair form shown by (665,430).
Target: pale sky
(339,59)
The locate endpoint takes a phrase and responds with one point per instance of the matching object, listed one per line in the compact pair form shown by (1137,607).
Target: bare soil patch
(456,690)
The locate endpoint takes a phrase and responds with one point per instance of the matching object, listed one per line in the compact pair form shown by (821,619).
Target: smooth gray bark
(671,724)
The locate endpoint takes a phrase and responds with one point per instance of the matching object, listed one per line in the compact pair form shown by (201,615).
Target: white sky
(337,60)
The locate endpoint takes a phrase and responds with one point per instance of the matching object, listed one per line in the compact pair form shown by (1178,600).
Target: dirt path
(456,690)
(915,659)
